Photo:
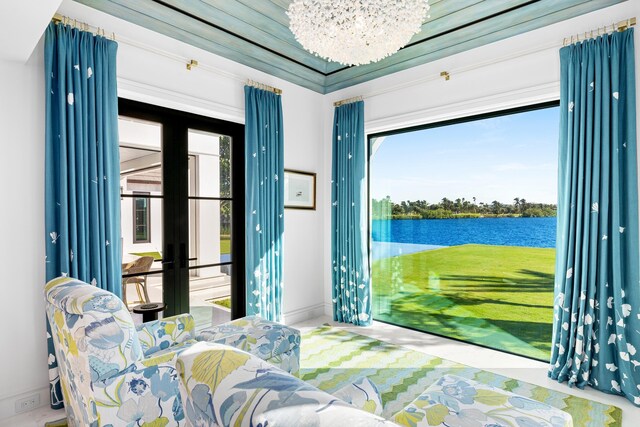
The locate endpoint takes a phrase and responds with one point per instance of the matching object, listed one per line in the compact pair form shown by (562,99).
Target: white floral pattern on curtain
(82,167)
(596,332)
(264,210)
(351,288)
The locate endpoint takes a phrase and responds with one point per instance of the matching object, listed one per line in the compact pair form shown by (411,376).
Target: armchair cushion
(221,385)
(165,333)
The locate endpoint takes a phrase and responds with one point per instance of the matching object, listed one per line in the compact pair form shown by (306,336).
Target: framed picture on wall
(299,189)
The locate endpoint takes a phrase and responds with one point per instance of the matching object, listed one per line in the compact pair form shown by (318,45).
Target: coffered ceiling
(256,32)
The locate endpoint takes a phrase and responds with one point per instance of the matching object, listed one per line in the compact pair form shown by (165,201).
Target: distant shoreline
(462,216)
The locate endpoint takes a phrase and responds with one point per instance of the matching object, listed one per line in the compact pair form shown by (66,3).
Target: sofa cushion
(255,335)
(457,401)
(224,386)
(362,394)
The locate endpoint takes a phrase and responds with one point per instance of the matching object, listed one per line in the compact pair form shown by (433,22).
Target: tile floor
(490,360)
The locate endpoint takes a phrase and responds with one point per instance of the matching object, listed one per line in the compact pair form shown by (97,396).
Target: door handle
(168,259)
(183,256)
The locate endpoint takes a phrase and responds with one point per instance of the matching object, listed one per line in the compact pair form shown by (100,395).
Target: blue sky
(492,159)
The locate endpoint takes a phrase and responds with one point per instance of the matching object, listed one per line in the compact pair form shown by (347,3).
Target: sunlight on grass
(225,245)
(156,255)
(225,302)
(497,296)
(225,249)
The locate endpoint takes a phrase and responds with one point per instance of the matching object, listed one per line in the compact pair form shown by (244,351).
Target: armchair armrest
(164,333)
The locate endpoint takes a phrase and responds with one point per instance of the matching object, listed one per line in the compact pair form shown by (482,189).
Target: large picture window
(463,228)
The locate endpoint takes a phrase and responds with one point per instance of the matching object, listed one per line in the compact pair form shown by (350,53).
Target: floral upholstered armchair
(112,373)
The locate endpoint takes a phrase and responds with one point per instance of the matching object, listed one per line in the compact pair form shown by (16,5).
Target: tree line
(459,208)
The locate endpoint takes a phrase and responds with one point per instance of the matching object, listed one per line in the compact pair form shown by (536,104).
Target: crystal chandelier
(355,32)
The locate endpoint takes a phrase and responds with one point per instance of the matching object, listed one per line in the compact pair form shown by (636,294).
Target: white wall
(518,71)
(23,358)
(149,77)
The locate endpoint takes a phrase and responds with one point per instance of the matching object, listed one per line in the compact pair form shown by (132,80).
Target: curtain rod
(347,101)
(619,26)
(83,26)
(264,87)
(57,18)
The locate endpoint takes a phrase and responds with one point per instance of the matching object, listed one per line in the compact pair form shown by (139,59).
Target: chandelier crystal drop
(355,32)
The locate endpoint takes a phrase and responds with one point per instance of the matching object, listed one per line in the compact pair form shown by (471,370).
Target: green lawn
(156,255)
(225,244)
(497,296)
(225,248)
(225,302)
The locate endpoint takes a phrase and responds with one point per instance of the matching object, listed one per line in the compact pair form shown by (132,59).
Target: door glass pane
(141,217)
(135,287)
(209,232)
(210,295)
(209,164)
(209,227)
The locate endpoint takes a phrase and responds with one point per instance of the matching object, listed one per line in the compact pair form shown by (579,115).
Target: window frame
(464,119)
(135,217)
(175,127)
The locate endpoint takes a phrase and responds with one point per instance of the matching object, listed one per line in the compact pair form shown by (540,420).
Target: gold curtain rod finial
(192,64)
(264,87)
(623,25)
(348,101)
(445,74)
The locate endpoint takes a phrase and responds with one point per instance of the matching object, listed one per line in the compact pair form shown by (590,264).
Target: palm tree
(496,207)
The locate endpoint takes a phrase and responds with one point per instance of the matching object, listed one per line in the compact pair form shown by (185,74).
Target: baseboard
(328,309)
(8,404)
(302,314)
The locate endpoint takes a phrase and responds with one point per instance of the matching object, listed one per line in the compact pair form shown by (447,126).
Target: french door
(182,213)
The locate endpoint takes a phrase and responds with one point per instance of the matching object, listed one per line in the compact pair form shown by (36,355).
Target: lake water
(530,232)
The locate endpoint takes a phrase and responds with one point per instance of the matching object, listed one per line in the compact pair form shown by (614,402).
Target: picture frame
(299,189)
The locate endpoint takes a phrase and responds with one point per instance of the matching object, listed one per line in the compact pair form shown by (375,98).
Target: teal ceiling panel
(256,32)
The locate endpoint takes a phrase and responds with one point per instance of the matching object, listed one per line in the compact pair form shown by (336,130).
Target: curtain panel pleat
(264,211)
(597,292)
(82,167)
(349,242)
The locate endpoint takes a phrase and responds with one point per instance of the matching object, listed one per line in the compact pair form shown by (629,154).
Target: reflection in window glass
(210,209)
(463,225)
(141,207)
(141,219)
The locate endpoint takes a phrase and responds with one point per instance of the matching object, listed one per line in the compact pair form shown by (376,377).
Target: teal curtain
(264,209)
(349,223)
(596,338)
(82,168)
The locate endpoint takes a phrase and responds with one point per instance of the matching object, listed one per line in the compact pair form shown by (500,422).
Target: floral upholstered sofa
(224,386)
(113,373)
